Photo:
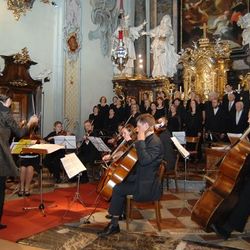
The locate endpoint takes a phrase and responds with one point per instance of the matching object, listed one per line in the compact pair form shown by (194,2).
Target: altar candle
(180,89)
(238,87)
(120,35)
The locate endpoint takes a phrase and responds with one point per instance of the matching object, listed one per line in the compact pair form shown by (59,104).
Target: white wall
(36,31)
(96,70)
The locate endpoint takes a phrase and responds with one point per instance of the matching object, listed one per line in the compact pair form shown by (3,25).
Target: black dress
(52,161)
(160,113)
(193,123)
(174,123)
(103,113)
(111,125)
(96,119)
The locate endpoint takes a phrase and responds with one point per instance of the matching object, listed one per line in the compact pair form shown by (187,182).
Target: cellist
(238,217)
(143,185)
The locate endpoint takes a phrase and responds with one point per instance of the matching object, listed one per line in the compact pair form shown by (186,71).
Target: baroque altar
(205,67)
(136,87)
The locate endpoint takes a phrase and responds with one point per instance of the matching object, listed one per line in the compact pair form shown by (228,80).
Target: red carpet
(22,224)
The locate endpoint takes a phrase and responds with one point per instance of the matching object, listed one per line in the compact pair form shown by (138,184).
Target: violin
(63,132)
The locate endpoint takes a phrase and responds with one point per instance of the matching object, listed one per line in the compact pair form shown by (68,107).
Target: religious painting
(220,17)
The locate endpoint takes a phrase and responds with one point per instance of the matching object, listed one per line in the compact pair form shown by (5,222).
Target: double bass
(219,199)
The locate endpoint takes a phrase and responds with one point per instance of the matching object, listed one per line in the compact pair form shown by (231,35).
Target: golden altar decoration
(245,81)
(205,67)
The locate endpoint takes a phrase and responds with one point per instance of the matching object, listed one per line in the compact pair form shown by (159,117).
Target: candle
(120,35)
(238,87)
(180,89)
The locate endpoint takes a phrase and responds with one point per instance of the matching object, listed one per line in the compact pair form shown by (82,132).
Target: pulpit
(137,87)
(27,91)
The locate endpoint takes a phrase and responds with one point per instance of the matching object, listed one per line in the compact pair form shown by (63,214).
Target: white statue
(130,34)
(164,56)
(244,23)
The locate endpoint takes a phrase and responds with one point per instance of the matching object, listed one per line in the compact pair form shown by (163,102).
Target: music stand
(41,149)
(185,154)
(73,166)
(69,141)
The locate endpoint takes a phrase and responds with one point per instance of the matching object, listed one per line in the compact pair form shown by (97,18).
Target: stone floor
(176,221)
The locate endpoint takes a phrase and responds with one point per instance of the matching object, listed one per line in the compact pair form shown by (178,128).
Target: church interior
(124,124)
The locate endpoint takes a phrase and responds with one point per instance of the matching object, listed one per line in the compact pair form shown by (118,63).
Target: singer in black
(7,126)
(144,184)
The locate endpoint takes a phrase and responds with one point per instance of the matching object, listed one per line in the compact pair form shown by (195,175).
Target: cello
(118,171)
(219,199)
(124,158)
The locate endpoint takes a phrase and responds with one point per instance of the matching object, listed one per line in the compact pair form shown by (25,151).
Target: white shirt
(237,117)
(215,110)
(230,105)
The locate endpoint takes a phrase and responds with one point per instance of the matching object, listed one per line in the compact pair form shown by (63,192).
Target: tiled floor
(176,222)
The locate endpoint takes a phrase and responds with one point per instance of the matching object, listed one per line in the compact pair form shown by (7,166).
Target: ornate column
(72,41)
(140,16)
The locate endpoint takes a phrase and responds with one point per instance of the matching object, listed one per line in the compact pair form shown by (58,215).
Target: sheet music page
(72,165)
(99,144)
(17,147)
(49,147)
(180,136)
(69,141)
(180,148)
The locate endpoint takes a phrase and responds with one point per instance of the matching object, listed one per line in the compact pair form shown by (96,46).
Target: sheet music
(181,136)
(72,165)
(180,148)
(17,147)
(99,144)
(69,141)
(50,148)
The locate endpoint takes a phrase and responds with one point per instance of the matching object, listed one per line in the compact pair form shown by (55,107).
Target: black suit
(215,123)
(144,185)
(169,153)
(242,124)
(245,98)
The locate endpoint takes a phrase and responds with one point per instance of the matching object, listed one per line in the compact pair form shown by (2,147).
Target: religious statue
(244,23)
(130,35)
(164,56)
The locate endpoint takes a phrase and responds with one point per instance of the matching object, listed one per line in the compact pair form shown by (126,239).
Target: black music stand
(185,154)
(41,206)
(73,166)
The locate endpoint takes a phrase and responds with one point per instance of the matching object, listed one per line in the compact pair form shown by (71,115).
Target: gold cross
(204,28)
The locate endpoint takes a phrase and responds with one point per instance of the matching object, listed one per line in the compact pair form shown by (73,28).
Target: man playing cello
(144,184)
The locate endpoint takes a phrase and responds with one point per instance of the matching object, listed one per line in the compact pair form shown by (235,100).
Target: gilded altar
(205,67)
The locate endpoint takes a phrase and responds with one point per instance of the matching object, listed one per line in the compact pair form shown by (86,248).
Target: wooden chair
(173,174)
(193,140)
(130,203)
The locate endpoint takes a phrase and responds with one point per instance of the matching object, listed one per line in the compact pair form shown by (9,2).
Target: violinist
(143,185)
(52,161)
(129,135)
(87,152)
(7,126)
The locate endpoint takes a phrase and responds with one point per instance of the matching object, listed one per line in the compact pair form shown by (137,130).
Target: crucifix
(204,28)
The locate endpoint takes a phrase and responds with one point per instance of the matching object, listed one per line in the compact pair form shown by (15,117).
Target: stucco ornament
(105,16)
